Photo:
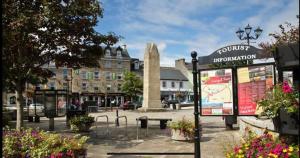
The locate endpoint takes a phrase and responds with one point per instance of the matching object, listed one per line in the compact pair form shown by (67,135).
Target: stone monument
(151,92)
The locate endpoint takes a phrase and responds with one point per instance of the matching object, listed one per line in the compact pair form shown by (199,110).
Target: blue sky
(178,27)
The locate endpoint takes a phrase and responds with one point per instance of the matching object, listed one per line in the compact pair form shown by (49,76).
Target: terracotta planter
(177,135)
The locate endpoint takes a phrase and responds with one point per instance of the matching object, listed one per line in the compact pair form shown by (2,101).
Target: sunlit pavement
(213,141)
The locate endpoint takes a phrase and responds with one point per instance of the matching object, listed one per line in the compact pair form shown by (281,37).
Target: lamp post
(196,110)
(248,37)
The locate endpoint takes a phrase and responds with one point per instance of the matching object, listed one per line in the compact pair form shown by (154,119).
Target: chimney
(179,62)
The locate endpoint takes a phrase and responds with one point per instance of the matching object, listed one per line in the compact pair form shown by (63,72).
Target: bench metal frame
(137,126)
(107,124)
(125,122)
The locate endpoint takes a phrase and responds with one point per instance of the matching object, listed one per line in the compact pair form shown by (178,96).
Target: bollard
(117,120)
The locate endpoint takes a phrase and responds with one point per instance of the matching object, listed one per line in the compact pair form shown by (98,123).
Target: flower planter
(178,135)
(81,154)
(81,128)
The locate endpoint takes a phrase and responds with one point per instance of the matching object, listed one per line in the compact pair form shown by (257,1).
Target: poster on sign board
(253,81)
(216,92)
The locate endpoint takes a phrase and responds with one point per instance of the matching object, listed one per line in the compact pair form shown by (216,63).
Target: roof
(189,66)
(171,73)
(113,53)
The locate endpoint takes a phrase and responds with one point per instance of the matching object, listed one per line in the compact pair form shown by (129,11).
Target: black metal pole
(248,38)
(196,110)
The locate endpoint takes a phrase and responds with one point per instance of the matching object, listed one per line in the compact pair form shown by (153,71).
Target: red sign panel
(252,84)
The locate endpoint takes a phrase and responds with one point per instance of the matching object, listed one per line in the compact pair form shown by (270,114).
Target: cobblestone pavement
(213,141)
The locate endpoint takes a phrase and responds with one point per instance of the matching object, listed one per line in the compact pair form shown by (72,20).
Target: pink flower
(286,87)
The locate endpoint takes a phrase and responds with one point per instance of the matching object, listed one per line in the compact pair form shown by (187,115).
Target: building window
(108,75)
(136,65)
(107,64)
(65,73)
(119,76)
(119,54)
(107,53)
(164,84)
(65,85)
(119,87)
(84,86)
(38,86)
(119,64)
(173,84)
(180,84)
(108,87)
(52,85)
(96,74)
(12,100)
(54,75)
(83,75)
(96,88)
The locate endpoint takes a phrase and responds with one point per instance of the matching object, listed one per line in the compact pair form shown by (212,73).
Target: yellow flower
(289,154)
(260,157)
(291,149)
(246,144)
(240,151)
(284,150)
(241,156)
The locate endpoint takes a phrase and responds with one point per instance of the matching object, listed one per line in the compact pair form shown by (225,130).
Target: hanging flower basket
(281,104)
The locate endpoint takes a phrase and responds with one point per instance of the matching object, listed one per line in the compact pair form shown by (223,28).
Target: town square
(150,79)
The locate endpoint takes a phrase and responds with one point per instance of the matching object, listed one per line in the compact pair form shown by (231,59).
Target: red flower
(286,87)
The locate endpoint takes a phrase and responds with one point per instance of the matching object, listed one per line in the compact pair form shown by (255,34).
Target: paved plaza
(214,139)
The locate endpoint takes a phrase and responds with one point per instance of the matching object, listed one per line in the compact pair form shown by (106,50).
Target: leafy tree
(288,34)
(36,32)
(132,85)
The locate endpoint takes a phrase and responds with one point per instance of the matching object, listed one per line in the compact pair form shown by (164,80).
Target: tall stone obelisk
(151,92)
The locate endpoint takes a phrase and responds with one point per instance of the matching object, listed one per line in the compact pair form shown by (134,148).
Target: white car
(39,109)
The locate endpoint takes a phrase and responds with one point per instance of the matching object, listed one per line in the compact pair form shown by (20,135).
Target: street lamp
(68,86)
(248,29)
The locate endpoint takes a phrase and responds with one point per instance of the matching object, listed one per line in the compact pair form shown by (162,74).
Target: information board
(216,92)
(253,81)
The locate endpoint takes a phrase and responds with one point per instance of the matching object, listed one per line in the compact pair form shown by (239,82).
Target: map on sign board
(216,92)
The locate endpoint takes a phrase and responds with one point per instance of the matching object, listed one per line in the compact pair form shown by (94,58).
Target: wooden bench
(144,121)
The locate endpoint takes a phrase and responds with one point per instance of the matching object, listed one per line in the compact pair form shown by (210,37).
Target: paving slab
(214,138)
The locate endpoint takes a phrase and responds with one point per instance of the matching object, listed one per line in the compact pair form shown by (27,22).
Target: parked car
(169,102)
(40,109)
(13,110)
(130,105)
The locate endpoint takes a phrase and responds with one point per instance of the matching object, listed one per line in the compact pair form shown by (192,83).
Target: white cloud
(198,25)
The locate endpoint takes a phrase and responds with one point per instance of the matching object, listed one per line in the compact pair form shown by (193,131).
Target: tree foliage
(288,34)
(132,85)
(37,32)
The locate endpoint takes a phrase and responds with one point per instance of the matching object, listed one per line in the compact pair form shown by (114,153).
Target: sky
(178,27)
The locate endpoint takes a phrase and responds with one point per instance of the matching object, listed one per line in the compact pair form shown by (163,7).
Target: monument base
(144,109)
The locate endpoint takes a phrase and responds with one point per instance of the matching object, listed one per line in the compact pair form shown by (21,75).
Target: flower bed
(30,143)
(263,146)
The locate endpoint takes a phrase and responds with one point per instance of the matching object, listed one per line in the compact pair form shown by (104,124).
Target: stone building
(101,84)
